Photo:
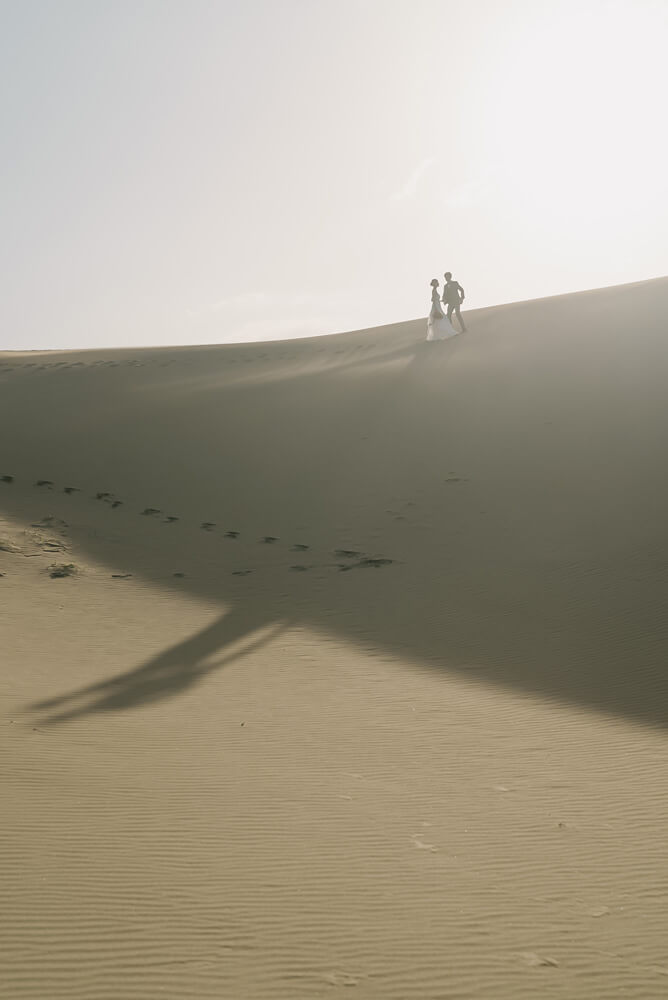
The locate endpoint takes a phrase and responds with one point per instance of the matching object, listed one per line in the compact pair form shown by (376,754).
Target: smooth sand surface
(288,772)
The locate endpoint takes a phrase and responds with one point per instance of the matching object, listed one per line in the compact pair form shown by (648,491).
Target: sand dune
(340,662)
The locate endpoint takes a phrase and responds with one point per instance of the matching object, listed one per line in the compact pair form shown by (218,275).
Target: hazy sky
(193,171)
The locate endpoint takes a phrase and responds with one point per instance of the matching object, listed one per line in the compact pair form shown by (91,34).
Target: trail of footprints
(31,367)
(347,558)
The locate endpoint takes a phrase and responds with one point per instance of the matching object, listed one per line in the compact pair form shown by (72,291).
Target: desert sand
(356,678)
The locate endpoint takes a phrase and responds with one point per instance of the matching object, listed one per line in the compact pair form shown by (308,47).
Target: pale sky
(201,171)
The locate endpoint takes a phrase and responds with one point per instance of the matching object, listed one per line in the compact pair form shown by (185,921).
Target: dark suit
(453,296)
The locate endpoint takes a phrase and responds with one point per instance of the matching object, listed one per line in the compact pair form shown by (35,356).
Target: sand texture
(340,666)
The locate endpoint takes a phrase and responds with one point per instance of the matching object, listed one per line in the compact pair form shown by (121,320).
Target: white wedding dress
(439,326)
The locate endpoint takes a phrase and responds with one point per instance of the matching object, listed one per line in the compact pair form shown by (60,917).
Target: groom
(453,296)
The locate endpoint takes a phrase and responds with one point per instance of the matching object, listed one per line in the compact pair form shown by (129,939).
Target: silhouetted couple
(439,326)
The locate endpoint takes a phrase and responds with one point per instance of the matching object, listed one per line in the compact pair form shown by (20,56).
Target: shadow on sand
(168,674)
(511,563)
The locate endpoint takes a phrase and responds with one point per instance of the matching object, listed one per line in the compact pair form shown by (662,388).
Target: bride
(439,326)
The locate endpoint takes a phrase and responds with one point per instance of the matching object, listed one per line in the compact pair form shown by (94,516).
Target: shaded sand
(398,727)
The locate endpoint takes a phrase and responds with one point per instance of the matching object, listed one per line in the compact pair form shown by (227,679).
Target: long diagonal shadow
(169,673)
(510,474)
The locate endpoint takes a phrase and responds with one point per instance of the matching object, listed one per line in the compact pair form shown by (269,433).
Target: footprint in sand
(421,844)
(121,576)
(50,521)
(269,539)
(6,479)
(171,519)
(58,571)
(367,563)
(71,489)
(241,572)
(150,511)
(52,545)
(180,576)
(340,978)
(299,547)
(103,496)
(208,525)
(300,569)
(44,482)
(535,961)
(116,503)
(231,534)
(347,553)
(598,911)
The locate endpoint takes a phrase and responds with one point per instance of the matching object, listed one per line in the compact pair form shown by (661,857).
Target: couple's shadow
(173,671)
